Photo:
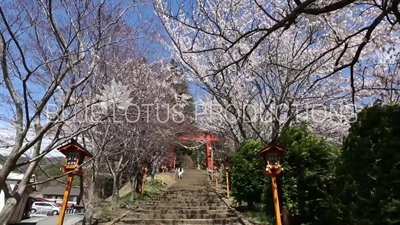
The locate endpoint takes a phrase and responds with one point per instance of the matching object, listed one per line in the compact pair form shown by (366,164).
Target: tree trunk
(153,172)
(7,168)
(133,186)
(89,203)
(8,210)
(91,193)
(285,216)
(81,189)
(250,205)
(115,196)
(275,131)
(138,182)
(12,202)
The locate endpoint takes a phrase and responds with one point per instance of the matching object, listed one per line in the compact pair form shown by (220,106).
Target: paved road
(52,220)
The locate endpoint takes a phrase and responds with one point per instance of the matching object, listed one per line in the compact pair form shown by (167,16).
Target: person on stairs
(180,172)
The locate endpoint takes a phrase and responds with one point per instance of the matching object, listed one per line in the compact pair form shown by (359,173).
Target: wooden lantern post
(227,166)
(75,155)
(145,165)
(272,155)
(175,168)
(163,168)
(216,169)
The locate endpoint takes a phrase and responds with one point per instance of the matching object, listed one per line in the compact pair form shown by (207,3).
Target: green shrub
(308,179)
(307,185)
(370,171)
(247,179)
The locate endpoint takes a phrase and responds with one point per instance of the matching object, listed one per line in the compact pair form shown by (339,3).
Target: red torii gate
(208,138)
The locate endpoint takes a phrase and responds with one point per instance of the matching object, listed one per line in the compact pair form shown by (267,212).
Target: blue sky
(160,52)
(196,91)
(148,11)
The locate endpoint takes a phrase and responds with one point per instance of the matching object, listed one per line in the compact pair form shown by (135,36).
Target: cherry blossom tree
(280,61)
(258,101)
(49,52)
(353,29)
(139,99)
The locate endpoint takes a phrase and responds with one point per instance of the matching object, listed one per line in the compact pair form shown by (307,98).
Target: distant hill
(2,159)
(44,162)
(50,166)
(21,169)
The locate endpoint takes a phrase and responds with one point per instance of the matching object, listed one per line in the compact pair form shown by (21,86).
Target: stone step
(193,193)
(192,173)
(188,188)
(173,207)
(188,196)
(187,204)
(187,177)
(186,211)
(229,221)
(201,196)
(188,191)
(180,216)
(185,201)
(190,201)
(194,181)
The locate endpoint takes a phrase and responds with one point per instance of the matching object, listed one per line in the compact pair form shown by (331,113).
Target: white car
(45,207)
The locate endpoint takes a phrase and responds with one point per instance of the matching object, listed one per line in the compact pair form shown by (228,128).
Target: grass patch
(106,214)
(259,217)
(256,215)
(152,189)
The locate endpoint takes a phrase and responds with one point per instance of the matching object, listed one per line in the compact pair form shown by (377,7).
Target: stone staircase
(189,201)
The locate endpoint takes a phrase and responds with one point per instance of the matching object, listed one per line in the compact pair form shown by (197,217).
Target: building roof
(75,145)
(60,191)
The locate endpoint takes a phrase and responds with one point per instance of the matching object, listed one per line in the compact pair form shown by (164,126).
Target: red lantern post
(145,164)
(227,166)
(75,155)
(163,169)
(272,156)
